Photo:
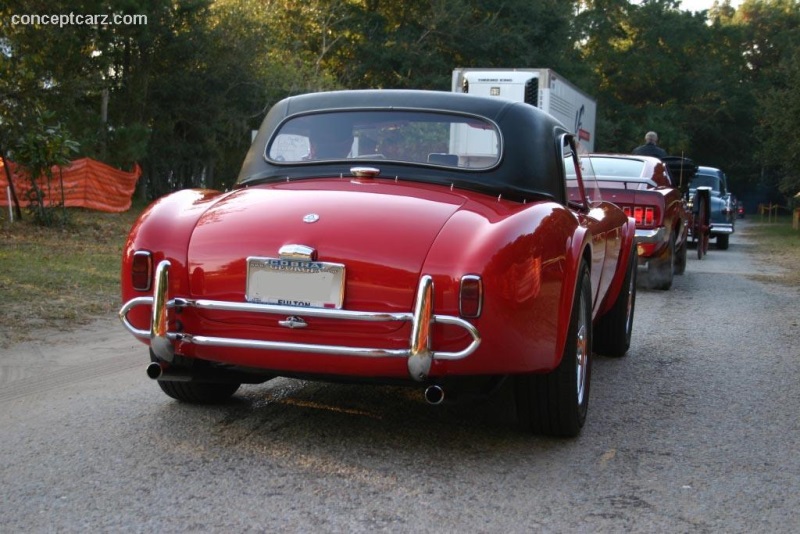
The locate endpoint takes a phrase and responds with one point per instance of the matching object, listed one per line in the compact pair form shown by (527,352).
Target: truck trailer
(542,88)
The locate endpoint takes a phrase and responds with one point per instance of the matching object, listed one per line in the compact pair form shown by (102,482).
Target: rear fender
(627,248)
(578,250)
(164,229)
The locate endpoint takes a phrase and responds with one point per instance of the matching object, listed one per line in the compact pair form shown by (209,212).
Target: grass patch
(60,277)
(777,243)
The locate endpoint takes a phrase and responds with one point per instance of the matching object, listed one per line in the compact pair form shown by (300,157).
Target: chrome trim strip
(419,353)
(328,313)
(291,347)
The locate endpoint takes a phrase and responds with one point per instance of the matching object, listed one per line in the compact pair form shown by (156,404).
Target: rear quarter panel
(164,229)
(528,260)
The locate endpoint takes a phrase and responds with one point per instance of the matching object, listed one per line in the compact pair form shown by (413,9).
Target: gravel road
(696,430)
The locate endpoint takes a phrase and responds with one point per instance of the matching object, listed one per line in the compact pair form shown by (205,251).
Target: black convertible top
(530,164)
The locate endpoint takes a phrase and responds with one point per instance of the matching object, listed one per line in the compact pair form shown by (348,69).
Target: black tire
(723,241)
(612,334)
(555,404)
(196,392)
(661,270)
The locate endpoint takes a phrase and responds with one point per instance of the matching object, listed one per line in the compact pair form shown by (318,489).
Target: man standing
(650,147)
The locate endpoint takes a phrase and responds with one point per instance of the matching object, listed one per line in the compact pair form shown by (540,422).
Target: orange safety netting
(87,183)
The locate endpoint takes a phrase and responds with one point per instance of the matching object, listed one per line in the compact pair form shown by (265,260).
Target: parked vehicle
(543,88)
(643,188)
(355,246)
(722,216)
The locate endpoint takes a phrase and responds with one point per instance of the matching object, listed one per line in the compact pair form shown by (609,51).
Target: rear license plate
(308,284)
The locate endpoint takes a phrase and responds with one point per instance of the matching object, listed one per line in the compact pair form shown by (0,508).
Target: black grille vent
(532,92)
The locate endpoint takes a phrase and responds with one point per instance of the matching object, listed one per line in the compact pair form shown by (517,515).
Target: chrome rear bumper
(419,353)
(721,228)
(650,236)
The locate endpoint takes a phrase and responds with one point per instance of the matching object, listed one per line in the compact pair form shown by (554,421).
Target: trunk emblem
(293,322)
(311,218)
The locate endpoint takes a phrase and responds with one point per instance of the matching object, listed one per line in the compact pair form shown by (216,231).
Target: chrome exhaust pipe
(171,373)
(434,395)
(161,371)
(154,371)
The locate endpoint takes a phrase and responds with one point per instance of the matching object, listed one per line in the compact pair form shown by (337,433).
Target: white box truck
(542,88)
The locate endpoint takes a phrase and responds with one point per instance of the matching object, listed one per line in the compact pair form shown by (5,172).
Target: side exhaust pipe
(434,395)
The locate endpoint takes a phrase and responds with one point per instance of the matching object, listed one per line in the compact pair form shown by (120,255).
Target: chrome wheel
(581,355)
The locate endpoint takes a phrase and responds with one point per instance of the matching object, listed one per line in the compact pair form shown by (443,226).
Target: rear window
(427,138)
(618,167)
(704,180)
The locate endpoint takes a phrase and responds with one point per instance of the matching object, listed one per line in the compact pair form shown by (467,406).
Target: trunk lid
(381,231)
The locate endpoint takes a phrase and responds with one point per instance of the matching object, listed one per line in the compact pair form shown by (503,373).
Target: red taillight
(638,214)
(141,270)
(470,300)
(643,216)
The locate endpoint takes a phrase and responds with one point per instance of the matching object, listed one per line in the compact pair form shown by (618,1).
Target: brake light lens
(470,299)
(643,216)
(142,270)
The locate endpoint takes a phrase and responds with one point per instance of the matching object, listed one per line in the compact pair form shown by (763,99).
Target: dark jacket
(650,149)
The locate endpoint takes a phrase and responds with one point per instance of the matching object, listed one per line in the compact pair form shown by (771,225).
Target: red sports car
(404,237)
(645,189)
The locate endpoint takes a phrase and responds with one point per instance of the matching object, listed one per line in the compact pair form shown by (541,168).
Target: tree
(771,39)
(43,147)
(416,44)
(644,58)
(780,148)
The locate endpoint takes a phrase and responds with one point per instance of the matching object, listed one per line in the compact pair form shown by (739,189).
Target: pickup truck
(644,188)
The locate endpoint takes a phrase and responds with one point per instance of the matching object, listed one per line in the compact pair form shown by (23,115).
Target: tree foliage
(181,93)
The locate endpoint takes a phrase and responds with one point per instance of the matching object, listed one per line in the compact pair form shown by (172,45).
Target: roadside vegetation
(777,243)
(59,278)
